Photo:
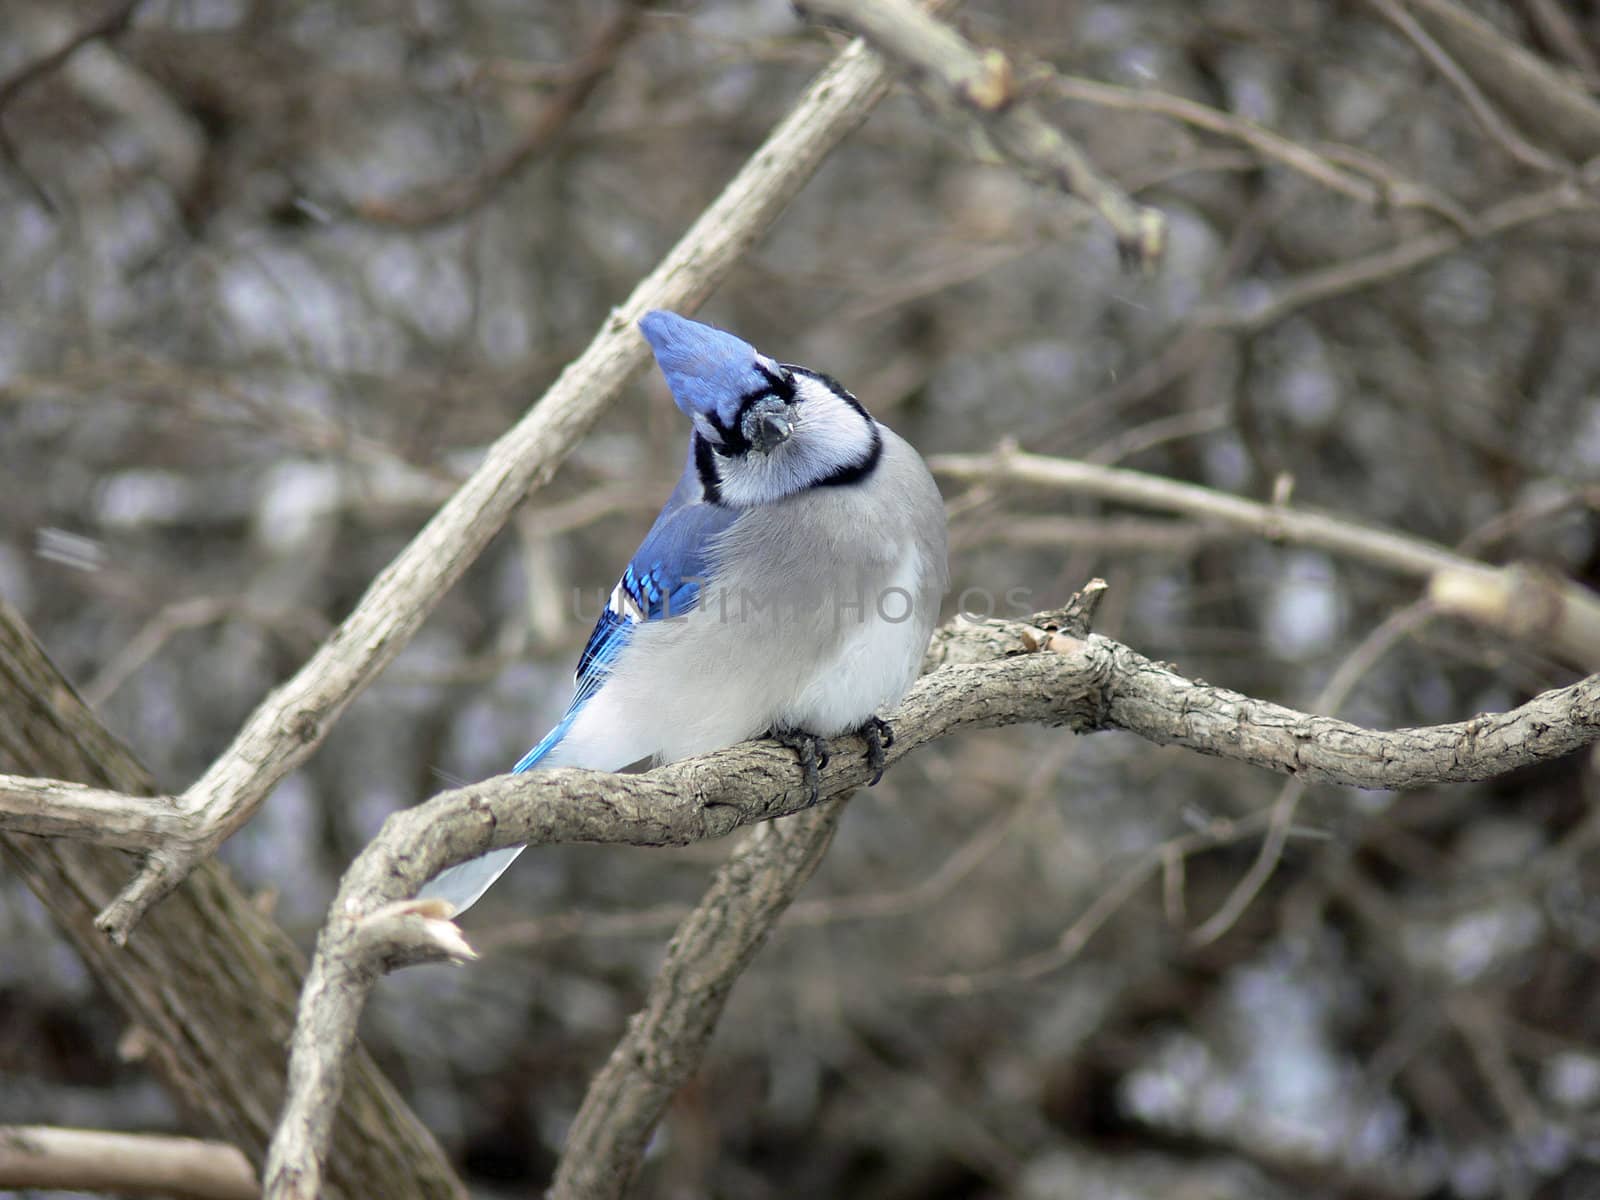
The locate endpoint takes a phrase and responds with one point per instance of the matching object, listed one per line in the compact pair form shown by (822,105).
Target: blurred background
(273,275)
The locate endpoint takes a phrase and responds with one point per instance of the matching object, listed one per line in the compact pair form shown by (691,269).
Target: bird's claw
(879,735)
(812,752)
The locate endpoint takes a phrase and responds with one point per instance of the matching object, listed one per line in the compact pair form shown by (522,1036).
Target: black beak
(772,431)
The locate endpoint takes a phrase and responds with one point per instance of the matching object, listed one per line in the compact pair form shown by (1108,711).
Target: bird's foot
(879,735)
(812,752)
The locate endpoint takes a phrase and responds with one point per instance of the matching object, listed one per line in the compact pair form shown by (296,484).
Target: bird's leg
(812,752)
(880,736)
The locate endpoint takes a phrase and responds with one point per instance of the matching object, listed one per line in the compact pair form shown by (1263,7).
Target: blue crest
(709,371)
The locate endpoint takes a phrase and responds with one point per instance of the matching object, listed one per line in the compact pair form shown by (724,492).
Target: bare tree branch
(1528,604)
(981,85)
(1562,615)
(667,1039)
(292,722)
(1262,308)
(989,673)
(53,808)
(91,1160)
(213,983)
(1499,130)
(463,195)
(1517,601)
(1538,95)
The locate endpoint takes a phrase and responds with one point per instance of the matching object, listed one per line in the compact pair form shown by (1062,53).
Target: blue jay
(789,586)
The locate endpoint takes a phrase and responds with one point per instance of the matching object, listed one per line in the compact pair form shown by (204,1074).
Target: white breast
(818,617)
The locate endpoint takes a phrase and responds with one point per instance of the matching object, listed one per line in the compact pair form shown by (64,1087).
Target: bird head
(763,430)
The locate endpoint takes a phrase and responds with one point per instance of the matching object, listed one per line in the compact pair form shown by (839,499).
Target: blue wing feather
(660,581)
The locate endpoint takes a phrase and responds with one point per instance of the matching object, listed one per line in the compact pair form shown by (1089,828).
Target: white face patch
(831,435)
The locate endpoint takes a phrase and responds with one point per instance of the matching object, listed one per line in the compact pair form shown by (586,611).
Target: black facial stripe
(705,465)
(834,386)
(857,471)
(780,382)
(734,443)
(864,466)
(732,440)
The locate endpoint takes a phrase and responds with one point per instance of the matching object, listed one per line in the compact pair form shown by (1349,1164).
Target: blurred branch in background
(113,21)
(1531,606)
(212,983)
(983,86)
(235,381)
(463,195)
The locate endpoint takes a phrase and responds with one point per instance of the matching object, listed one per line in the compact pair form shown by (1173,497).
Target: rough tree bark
(210,980)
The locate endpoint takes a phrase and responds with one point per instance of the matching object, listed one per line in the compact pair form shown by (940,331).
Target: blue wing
(660,581)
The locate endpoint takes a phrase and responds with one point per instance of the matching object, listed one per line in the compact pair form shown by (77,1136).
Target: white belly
(818,619)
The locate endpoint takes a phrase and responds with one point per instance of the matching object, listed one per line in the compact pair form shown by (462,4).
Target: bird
(788,588)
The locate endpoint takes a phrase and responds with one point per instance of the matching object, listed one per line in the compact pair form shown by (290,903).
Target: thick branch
(291,723)
(988,673)
(53,808)
(89,1160)
(213,985)
(667,1039)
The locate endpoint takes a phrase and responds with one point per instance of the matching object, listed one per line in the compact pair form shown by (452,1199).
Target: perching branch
(1558,614)
(667,1040)
(291,723)
(989,673)
(90,1160)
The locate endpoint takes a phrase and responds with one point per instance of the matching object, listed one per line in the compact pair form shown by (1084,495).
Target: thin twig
(1499,130)
(981,85)
(1265,308)
(1106,905)
(1536,93)
(434,207)
(1332,698)
(114,21)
